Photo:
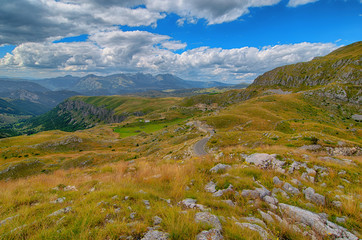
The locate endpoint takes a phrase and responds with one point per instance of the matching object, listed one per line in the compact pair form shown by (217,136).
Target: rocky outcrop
(265,161)
(320,225)
(155,235)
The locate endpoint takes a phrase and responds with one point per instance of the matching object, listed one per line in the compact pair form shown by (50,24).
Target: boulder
(212,234)
(208,219)
(210,187)
(262,232)
(311,196)
(191,203)
(277,181)
(265,161)
(290,189)
(219,167)
(155,235)
(321,226)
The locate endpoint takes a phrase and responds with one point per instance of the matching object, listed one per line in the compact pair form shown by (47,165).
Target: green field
(138,127)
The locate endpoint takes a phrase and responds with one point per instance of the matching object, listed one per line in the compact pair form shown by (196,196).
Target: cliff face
(341,66)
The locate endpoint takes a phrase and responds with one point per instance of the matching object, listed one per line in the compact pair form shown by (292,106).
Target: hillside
(275,163)
(343,66)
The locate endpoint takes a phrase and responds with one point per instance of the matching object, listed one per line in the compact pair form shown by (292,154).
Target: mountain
(122,83)
(10,85)
(58,83)
(131,83)
(342,66)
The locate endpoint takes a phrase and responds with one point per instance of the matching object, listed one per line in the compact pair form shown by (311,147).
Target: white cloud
(115,51)
(296,3)
(214,11)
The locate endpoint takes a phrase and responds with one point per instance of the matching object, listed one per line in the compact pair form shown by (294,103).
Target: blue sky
(230,41)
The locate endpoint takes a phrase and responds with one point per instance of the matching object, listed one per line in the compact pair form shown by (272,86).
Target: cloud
(114,51)
(296,3)
(35,21)
(214,11)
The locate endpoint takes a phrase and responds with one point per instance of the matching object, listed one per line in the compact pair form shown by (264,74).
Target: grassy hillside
(121,184)
(341,66)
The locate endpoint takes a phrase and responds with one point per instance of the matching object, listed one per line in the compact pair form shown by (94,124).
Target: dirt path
(199,147)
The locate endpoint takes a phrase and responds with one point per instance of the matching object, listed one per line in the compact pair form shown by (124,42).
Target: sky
(230,41)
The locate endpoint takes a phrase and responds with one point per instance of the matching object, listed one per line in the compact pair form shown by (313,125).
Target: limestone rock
(277,181)
(210,187)
(262,232)
(208,219)
(290,189)
(219,167)
(310,195)
(212,234)
(320,225)
(265,161)
(155,235)
(191,203)
(61,211)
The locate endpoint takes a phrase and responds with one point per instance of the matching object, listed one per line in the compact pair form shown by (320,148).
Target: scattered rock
(283,193)
(155,235)
(296,182)
(61,211)
(221,192)
(277,181)
(212,234)
(229,202)
(191,203)
(310,195)
(314,147)
(337,204)
(7,219)
(157,220)
(290,189)
(262,232)
(265,161)
(271,200)
(147,203)
(59,200)
(210,187)
(132,215)
(340,219)
(320,225)
(219,167)
(70,188)
(208,219)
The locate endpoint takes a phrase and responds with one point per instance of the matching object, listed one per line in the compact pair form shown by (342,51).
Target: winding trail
(199,147)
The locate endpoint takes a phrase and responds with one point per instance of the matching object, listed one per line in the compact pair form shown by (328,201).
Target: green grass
(138,127)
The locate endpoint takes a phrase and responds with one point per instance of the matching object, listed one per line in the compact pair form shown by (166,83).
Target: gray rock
(212,234)
(278,190)
(61,211)
(277,181)
(265,161)
(210,187)
(320,225)
(219,167)
(340,219)
(357,117)
(59,200)
(208,219)
(271,200)
(132,215)
(155,235)
(253,220)
(157,220)
(290,189)
(262,232)
(2,222)
(296,182)
(191,203)
(311,196)
(266,217)
(229,202)
(221,192)
(311,147)
(147,204)
(337,204)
